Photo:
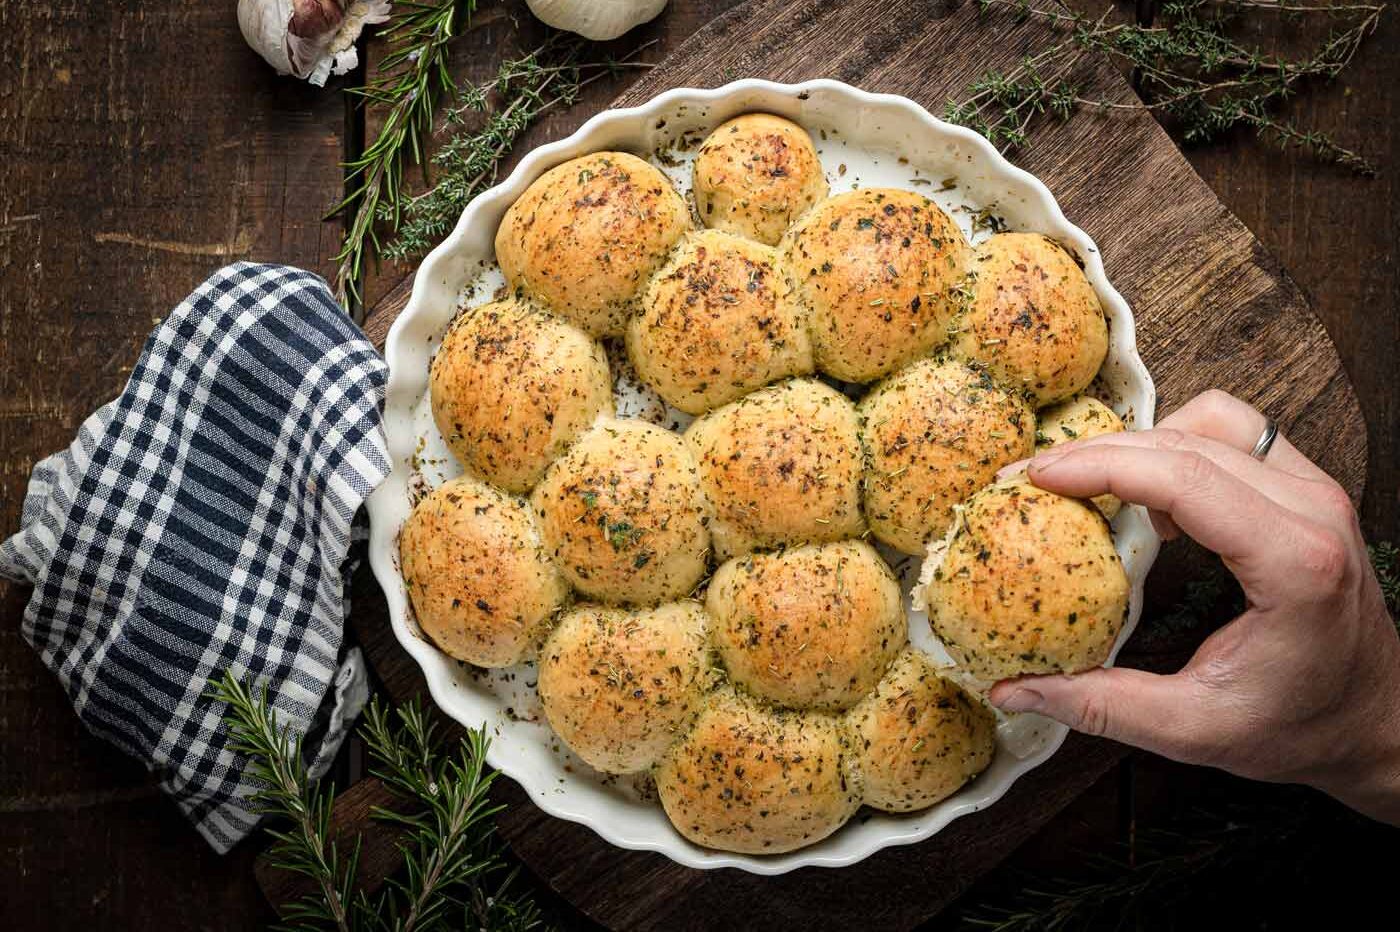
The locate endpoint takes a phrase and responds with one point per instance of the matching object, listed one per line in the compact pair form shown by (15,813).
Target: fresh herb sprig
(453,874)
(1385,558)
(1190,69)
(483,129)
(409,82)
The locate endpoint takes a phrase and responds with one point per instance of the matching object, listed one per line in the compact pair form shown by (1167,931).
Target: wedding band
(1266,440)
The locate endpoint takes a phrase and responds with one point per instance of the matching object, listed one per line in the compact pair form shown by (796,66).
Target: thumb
(1167,715)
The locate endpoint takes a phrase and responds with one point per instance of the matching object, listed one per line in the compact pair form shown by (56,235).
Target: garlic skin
(598,20)
(310,39)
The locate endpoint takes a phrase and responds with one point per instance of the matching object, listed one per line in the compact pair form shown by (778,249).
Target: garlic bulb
(596,19)
(311,39)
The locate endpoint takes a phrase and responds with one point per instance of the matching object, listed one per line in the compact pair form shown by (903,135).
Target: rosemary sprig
(277,762)
(453,874)
(1190,70)
(481,132)
(409,81)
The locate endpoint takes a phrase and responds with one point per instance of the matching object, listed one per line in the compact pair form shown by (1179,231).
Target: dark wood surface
(144,145)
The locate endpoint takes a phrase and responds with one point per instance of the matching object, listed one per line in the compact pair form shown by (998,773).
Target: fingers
(1218,509)
(1296,494)
(1168,715)
(1225,418)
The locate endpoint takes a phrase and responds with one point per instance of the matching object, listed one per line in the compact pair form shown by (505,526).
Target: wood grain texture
(1213,310)
(144,146)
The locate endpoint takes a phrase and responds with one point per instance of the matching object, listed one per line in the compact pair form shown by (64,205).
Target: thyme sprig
(408,83)
(1190,69)
(481,131)
(453,875)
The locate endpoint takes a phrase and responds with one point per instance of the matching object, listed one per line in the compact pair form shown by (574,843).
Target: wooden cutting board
(1213,310)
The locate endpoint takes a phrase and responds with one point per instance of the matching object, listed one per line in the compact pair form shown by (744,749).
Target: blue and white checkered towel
(204,520)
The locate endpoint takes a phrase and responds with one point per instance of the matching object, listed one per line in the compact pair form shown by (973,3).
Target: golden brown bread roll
(755,175)
(934,433)
(877,271)
(780,466)
(812,627)
(1080,418)
(480,583)
(623,516)
(714,324)
(617,685)
(1027,582)
(751,779)
(512,386)
(919,737)
(1034,320)
(586,235)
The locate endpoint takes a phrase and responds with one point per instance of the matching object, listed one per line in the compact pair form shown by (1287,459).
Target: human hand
(1304,687)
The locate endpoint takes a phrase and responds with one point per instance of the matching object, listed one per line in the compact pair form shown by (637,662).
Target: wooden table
(145,145)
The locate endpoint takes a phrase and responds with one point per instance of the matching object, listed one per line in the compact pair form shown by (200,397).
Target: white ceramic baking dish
(864,140)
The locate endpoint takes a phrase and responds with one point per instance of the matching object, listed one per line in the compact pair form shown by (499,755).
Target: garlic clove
(310,39)
(599,20)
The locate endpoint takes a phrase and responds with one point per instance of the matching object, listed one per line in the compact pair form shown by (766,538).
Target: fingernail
(1012,469)
(1021,700)
(1047,459)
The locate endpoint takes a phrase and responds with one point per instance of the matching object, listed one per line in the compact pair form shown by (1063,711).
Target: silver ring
(1266,440)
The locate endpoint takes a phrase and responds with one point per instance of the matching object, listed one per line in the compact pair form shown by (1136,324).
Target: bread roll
(812,627)
(877,271)
(480,583)
(623,516)
(715,324)
(780,466)
(934,433)
(1034,320)
(919,737)
(512,387)
(617,685)
(751,779)
(587,234)
(1027,582)
(755,175)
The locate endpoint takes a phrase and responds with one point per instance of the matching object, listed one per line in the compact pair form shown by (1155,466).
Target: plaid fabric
(202,521)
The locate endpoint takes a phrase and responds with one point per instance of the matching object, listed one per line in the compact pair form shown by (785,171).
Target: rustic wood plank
(1213,309)
(144,146)
(1335,233)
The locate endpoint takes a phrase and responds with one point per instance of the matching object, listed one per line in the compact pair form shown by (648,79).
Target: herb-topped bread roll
(812,627)
(623,516)
(781,466)
(878,272)
(1080,418)
(755,175)
(753,779)
(919,737)
(1034,320)
(934,433)
(714,324)
(587,235)
(511,388)
(479,580)
(617,685)
(1026,582)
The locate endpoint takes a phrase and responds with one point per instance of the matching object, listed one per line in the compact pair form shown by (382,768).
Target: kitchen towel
(204,520)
